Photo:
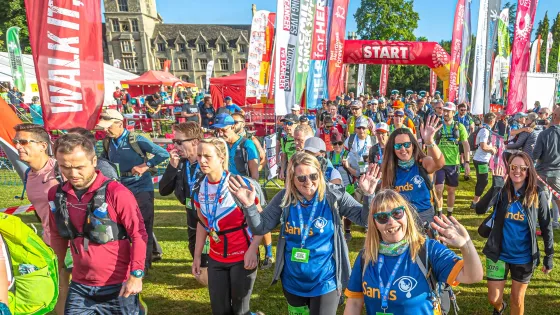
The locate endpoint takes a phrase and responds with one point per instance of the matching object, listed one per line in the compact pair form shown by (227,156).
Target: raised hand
(499,172)
(430,129)
(174,158)
(368,181)
(451,232)
(239,189)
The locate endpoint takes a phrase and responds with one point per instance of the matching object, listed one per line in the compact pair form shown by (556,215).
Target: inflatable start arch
(379,52)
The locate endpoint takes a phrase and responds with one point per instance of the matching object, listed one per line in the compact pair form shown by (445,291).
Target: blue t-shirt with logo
(516,240)
(252,154)
(409,291)
(316,277)
(412,186)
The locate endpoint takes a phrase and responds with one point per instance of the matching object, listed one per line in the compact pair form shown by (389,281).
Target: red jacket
(109,263)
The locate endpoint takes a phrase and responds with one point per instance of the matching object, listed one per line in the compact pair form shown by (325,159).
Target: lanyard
(190,180)
(380,153)
(462,120)
(384,289)
(360,151)
(305,229)
(212,215)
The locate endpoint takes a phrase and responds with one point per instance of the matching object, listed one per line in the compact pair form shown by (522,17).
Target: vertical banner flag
(533,61)
(538,60)
(492,17)
(433,82)
(456,50)
(65,39)
(209,71)
(465,53)
(305,37)
(383,80)
(517,92)
(317,88)
(502,59)
(257,49)
(477,95)
(14,57)
(336,47)
(549,43)
(361,79)
(266,59)
(166,65)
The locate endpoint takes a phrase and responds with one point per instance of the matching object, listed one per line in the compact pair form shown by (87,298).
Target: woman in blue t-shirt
(519,207)
(390,280)
(405,166)
(311,256)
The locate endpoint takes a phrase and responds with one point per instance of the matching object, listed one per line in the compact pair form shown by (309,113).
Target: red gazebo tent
(233,85)
(151,81)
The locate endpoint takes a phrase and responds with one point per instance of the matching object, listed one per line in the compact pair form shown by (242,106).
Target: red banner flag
(166,65)
(336,47)
(433,83)
(456,49)
(383,80)
(517,93)
(65,38)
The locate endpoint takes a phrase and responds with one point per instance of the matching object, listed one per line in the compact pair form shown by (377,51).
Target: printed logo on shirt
(320,224)
(407,187)
(418,181)
(406,284)
(295,230)
(375,294)
(519,216)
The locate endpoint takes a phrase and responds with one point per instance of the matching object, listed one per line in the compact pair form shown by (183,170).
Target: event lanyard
(380,153)
(305,229)
(361,151)
(384,289)
(462,120)
(190,180)
(212,215)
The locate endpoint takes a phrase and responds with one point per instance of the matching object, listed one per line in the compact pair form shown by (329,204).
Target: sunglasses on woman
(399,146)
(338,143)
(514,168)
(180,141)
(303,178)
(383,217)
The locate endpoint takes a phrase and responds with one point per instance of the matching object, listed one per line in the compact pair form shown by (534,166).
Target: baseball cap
(108,117)
(361,122)
(449,106)
(303,118)
(347,98)
(315,145)
(422,93)
(356,104)
(227,98)
(290,117)
(382,100)
(408,92)
(374,101)
(383,127)
(393,92)
(296,107)
(399,112)
(398,104)
(223,120)
(520,115)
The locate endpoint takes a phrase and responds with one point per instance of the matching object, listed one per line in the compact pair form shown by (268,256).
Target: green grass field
(171,289)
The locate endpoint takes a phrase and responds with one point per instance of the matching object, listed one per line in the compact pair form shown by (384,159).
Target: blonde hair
(305,129)
(385,201)
(221,149)
(292,195)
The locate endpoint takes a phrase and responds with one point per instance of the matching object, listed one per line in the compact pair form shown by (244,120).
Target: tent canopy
(150,81)
(233,85)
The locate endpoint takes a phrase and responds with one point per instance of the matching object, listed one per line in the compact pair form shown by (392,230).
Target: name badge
(188,203)
(300,255)
(382,313)
(215,236)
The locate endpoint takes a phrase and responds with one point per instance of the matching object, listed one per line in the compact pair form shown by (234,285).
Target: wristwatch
(149,164)
(137,273)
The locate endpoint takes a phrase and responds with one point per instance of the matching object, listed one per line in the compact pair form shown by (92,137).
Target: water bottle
(101,212)
(52,206)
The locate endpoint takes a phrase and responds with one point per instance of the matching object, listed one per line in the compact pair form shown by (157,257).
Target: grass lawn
(171,289)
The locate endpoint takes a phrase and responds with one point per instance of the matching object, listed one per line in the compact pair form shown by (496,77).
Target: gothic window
(126,46)
(203,63)
(202,48)
(184,64)
(134,25)
(161,46)
(161,63)
(123,5)
(125,26)
(242,48)
(224,65)
(242,63)
(223,47)
(182,47)
(128,63)
(116,27)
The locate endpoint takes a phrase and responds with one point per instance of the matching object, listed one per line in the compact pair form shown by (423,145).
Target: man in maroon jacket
(107,274)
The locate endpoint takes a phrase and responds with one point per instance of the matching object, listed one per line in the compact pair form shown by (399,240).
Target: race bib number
(300,255)
(381,313)
(188,203)
(495,270)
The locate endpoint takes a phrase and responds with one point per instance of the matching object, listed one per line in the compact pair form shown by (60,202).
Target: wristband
(433,144)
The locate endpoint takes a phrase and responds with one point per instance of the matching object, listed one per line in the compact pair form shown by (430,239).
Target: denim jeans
(89,300)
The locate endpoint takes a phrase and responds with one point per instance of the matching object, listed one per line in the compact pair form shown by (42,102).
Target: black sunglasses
(398,146)
(24,141)
(288,123)
(361,128)
(303,178)
(338,143)
(383,217)
(179,141)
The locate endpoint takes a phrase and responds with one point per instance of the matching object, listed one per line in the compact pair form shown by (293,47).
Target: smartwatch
(137,273)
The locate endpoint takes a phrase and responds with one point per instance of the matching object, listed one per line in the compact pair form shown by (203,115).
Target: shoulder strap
(351,141)
(423,262)
(133,141)
(57,174)
(106,141)
(362,262)
(424,174)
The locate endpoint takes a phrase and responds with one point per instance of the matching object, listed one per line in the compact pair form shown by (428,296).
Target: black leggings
(230,287)
(481,179)
(325,304)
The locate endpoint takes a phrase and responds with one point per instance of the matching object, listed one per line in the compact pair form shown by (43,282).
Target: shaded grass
(171,289)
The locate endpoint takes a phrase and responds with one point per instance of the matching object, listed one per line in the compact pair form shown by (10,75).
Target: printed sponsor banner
(317,88)
(65,39)
(503,33)
(361,79)
(271,158)
(433,82)
(517,92)
(492,27)
(266,68)
(166,65)
(465,53)
(383,80)
(209,71)
(456,50)
(477,95)
(336,48)
(305,37)
(14,57)
(549,43)
(257,49)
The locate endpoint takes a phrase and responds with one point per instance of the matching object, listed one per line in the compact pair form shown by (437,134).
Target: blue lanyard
(462,120)
(380,153)
(305,230)
(384,289)
(190,180)
(361,151)
(212,215)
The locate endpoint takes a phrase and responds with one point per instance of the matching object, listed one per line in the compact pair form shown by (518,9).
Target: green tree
(543,29)
(512,6)
(553,66)
(12,13)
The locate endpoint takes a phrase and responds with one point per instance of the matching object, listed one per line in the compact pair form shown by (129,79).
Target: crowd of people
(376,162)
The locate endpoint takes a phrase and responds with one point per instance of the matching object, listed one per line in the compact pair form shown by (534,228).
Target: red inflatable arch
(379,52)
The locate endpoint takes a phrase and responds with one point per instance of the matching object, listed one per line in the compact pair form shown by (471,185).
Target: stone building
(136,37)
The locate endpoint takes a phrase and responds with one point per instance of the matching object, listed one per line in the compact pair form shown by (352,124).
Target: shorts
(449,175)
(499,271)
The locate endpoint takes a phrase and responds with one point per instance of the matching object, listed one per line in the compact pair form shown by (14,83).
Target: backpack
(455,133)
(35,292)
(240,158)
(473,136)
(133,141)
(440,292)
(352,138)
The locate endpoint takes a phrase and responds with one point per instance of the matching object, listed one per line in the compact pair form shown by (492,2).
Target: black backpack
(456,134)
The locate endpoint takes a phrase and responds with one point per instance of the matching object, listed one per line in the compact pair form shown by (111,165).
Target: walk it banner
(257,50)
(433,83)
(465,53)
(305,38)
(517,93)
(14,57)
(456,50)
(336,48)
(317,88)
(383,80)
(477,94)
(65,38)
(492,27)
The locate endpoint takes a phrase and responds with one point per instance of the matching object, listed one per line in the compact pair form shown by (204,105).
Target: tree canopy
(12,13)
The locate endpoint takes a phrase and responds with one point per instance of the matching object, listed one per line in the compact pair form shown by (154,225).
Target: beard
(86,182)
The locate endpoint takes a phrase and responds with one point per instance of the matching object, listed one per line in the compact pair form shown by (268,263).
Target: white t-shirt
(335,174)
(359,149)
(481,155)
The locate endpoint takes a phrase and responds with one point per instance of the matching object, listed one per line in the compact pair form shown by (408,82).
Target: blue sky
(436,16)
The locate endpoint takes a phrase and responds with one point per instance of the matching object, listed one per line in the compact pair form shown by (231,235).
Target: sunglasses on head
(24,141)
(180,141)
(399,146)
(514,167)
(289,123)
(383,217)
(303,178)
(338,143)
